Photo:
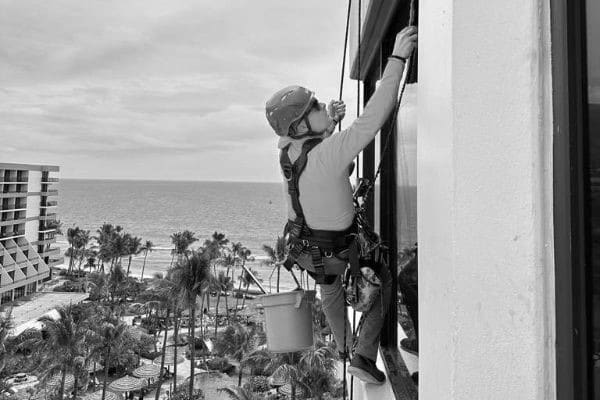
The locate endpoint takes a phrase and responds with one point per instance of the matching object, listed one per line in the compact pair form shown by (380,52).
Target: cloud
(153,80)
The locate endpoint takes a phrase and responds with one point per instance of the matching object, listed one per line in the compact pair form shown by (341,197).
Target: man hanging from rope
(315,165)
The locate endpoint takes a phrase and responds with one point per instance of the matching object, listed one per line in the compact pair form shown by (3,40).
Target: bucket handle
(299,297)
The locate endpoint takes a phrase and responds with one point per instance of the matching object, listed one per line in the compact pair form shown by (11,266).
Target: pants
(332,297)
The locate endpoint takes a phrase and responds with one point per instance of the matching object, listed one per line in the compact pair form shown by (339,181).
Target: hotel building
(27,207)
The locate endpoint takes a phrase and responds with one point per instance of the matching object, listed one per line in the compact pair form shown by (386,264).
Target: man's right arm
(341,148)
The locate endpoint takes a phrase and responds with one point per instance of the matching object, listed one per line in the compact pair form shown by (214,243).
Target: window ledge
(398,384)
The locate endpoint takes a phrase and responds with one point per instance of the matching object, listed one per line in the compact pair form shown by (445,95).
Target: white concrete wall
(484,204)
(33,205)
(33,210)
(34,183)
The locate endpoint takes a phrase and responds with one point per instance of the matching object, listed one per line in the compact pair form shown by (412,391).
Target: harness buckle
(328,254)
(287,171)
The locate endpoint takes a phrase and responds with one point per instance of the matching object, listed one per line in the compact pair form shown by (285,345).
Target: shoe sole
(364,376)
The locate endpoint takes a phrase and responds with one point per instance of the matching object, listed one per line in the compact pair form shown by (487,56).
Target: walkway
(26,311)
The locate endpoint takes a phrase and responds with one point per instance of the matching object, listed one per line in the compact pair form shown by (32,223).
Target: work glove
(336,110)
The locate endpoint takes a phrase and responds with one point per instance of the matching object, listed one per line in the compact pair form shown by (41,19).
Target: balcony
(13,194)
(13,221)
(49,217)
(47,204)
(12,209)
(49,180)
(50,193)
(12,235)
(55,251)
(55,261)
(45,241)
(46,229)
(19,182)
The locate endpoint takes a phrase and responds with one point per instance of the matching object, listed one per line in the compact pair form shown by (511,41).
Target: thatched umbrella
(169,359)
(55,380)
(147,371)
(287,390)
(126,384)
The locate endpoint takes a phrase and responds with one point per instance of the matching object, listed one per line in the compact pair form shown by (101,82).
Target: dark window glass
(593,78)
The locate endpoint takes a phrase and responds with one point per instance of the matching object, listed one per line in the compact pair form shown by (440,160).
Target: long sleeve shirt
(324,186)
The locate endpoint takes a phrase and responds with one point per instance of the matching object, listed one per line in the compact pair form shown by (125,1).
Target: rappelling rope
(369,189)
(345,353)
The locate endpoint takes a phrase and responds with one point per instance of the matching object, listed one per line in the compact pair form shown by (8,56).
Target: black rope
(357,164)
(344,57)
(345,353)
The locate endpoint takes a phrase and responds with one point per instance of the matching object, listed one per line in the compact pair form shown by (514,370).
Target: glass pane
(406,211)
(593,59)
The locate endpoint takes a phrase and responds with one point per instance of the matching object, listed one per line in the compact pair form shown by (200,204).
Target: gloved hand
(336,110)
(406,41)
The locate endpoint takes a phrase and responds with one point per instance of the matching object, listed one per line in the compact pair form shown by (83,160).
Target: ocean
(251,213)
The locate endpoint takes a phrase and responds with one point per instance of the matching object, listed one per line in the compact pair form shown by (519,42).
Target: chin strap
(310,133)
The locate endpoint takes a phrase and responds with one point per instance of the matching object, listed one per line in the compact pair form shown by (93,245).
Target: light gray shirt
(325,189)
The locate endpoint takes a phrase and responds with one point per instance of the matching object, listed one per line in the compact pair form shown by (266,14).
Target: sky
(168,90)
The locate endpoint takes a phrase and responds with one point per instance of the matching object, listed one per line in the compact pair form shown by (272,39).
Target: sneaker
(365,370)
(410,345)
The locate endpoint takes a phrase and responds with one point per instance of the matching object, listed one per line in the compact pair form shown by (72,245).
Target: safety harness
(299,237)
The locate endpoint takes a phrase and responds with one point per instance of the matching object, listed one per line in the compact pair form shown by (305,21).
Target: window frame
(574,371)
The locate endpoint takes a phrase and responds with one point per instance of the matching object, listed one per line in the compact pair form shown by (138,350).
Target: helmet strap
(310,132)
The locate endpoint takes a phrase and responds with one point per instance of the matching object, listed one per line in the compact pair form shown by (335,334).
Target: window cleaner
(322,231)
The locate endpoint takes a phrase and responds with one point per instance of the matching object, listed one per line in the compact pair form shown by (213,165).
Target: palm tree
(115,282)
(244,255)
(72,236)
(191,276)
(181,243)
(167,293)
(236,249)
(276,257)
(115,245)
(81,241)
(104,236)
(134,247)
(316,368)
(65,341)
(109,337)
(147,247)
(215,248)
(6,325)
(237,342)
(220,283)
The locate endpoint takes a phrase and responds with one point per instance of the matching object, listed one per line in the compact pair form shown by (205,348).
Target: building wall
(484,200)
(34,183)
(33,210)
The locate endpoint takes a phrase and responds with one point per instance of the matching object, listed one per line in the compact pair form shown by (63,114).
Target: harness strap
(353,258)
(292,174)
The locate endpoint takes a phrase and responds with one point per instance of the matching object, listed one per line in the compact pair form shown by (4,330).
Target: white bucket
(288,320)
